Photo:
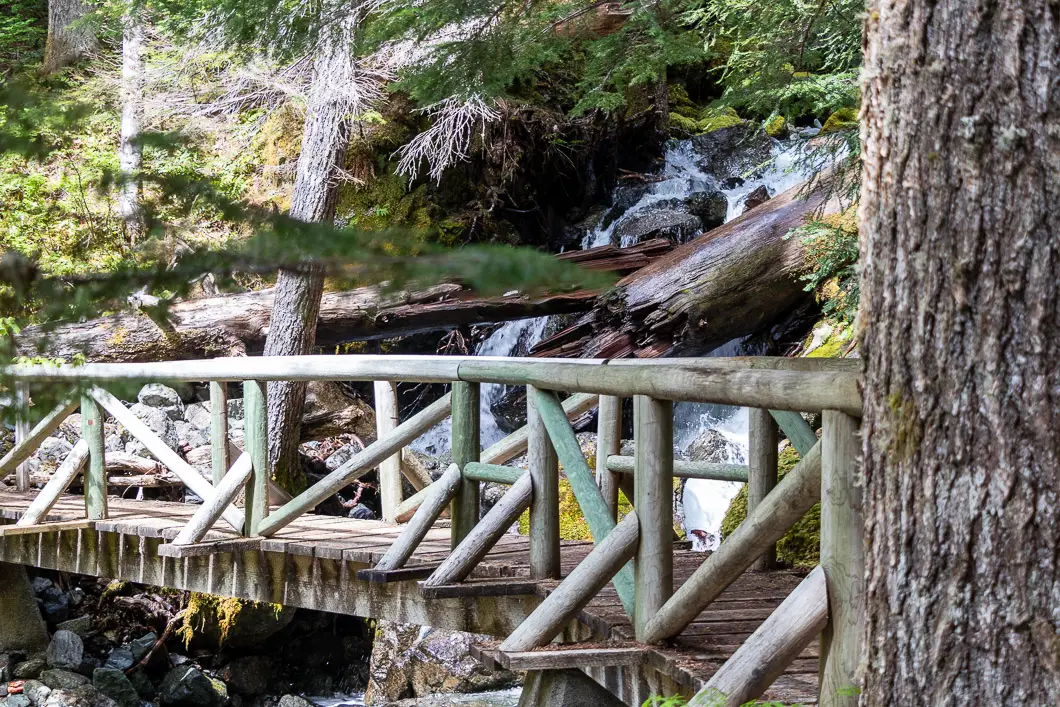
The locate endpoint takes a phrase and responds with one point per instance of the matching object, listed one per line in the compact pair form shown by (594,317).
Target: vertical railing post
(608,442)
(256,444)
(22,427)
(386,419)
(653,483)
(763,439)
(466,447)
(220,459)
(843,560)
(544,508)
(95,473)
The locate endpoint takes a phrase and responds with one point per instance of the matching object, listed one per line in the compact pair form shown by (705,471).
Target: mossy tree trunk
(70,37)
(292,326)
(961,306)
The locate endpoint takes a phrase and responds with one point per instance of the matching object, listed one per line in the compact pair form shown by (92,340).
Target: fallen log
(732,281)
(237,324)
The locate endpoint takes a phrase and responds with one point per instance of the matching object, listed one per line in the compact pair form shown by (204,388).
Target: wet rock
(713,446)
(624,198)
(142,646)
(80,625)
(666,220)
(116,686)
(293,701)
(157,421)
(756,198)
(28,669)
(52,451)
(187,686)
(731,152)
(121,658)
(58,679)
(164,398)
(36,691)
(54,604)
(413,661)
(710,206)
(66,650)
(144,687)
(249,675)
(509,409)
(341,455)
(17,701)
(84,696)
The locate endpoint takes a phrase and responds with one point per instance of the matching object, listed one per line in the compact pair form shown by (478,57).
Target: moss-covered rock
(683,124)
(776,127)
(801,546)
(711,119)
(216,621)
(842,119)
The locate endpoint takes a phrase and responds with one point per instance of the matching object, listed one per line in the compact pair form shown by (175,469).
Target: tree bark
(292,328)
(961,309)
(130,152)
(68,40)
(730,282)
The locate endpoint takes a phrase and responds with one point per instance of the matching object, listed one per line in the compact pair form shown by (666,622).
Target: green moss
(711,119)
(801,546)
(683,123)
(776,127)
(383,202)
(572,524)
(207,612)
(842,119)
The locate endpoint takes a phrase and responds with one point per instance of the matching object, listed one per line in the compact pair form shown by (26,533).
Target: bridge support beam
(21,625)
(564,688)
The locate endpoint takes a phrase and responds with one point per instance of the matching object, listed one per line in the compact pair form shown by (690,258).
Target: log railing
(635,553)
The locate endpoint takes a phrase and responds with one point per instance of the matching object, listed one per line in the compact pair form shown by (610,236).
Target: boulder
(164,398)
(157,421)
(235,409)
(142,646)
(413,661)
(54,604)
(28,669)
(58,679)
(84,696)
(189,436)
(757,197)
(341,455)
(293,701)
(66,650)
(17,701)
(36,691)
(664,220)
(187,686)
(710,206)
(52,451)
(121,658)
(116,686)
(144,687)
(198,414)
(70,429)
(713,446)
(249,675)
(731,152)
(80,625)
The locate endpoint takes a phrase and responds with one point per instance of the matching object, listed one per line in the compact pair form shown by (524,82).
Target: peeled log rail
(796,494)
(771,648)
(732,281)
(237,324)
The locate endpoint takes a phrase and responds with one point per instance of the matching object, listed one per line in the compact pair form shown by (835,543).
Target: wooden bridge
(636,611)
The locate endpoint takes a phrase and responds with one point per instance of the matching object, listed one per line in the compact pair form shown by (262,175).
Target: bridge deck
(690,660)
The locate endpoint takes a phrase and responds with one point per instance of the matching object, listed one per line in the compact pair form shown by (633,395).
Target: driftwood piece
(237,324)
(730,282)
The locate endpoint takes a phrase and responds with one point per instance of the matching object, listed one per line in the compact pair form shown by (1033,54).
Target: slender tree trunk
(68,40)
(130,152)
(292,327)
(961,305)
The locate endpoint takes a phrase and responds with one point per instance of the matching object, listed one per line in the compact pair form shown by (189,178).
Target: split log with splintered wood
(237,324)
(733,281)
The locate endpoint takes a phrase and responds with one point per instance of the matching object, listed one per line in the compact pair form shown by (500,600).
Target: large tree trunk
(961,309)
(68,39)
(730,282)
(237,324)
(130,152)
(292,328)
